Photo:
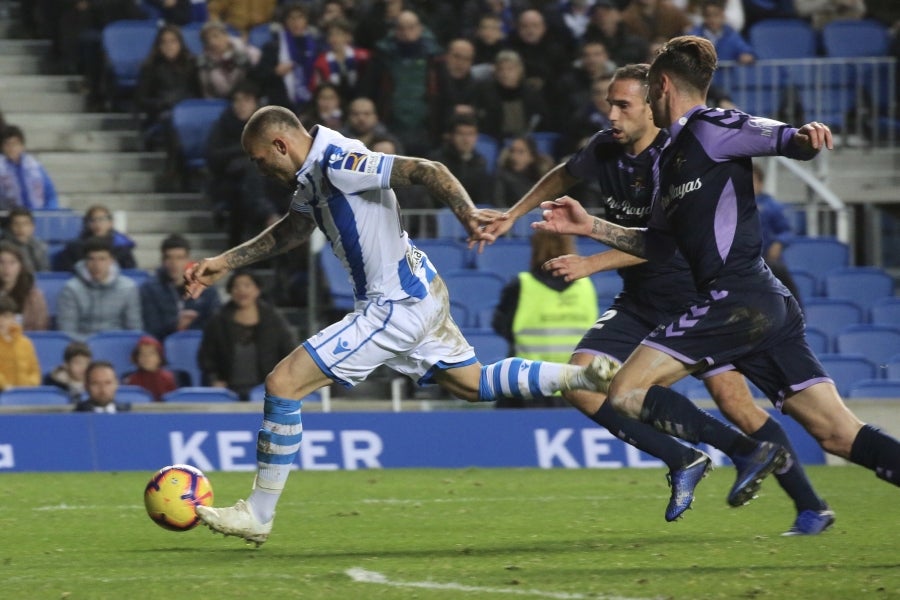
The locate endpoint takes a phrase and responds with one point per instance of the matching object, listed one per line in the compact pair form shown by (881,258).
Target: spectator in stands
(17,283)
(69,376)
(519,167)
(606,27)
(101,385)
(543,56)
(655,20)
(451,87)
(98,298)
(163,306)
(573,89)
(400,78)
(543,316)
(488,40)
(148,356)
(777,232)
(168,76)
(20,233)
(364,125)
(98,223)
(342,64)
(728,42)
(326,108)
(243,15)
(459,155)
(18,361)
(506,106)
(286,70)
(226,61)
(244,341)
(236,187)
(23,180)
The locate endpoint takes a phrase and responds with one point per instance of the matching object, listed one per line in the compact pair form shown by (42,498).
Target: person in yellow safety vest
(543,317)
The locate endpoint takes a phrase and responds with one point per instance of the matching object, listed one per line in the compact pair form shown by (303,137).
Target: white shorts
(413,337)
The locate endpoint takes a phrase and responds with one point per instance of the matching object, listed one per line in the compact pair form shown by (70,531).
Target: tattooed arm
(287,233)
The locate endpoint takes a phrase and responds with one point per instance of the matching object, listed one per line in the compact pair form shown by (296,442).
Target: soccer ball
(172,495)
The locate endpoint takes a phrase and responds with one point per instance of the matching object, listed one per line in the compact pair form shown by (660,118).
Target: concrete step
(16,47)
(40,83)
(135,202)
(182,221)
(45,140)
(73,122)
(47,102)
(102,162)
(22,64)
(68,182)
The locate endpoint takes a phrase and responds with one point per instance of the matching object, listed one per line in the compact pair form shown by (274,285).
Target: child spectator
(149,357)
(69,376)
(342,64)
(20,233)
(226,61)
(98,223)
(17,284)
(23,180)
(18,360)
(101,384)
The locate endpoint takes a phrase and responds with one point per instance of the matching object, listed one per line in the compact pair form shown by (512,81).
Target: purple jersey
(655,289)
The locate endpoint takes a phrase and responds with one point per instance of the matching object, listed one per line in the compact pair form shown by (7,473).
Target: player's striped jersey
(346,189)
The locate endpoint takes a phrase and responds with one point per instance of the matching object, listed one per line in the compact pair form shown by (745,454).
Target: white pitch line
(360,575)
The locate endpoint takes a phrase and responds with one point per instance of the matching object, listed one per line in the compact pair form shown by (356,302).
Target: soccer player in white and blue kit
(402,312)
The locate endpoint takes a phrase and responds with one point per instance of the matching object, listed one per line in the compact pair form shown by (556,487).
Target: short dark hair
(8,306)
(98,364)
(76,349)
(689,59)
(96,244)
(12,131)
(173,242)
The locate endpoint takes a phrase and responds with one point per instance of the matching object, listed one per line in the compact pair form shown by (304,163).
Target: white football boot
(237,520)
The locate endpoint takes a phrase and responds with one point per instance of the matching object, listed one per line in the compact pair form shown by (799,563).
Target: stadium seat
(476,290)
(862,285)
(133,394)
(59,225)
(489,148)
(877,343)
(806,284)
(192,120)
(506,258)
(818,342)
(855,38)
(342,296)
(847,369)
(445,255)
(115,346)
(783,38)
(831,316)
(43,395)
(51,284)
(126,45)
(886,312)
(200,394)
(181,353)
(49,347)
(816,255)
(876,388)
(489,347)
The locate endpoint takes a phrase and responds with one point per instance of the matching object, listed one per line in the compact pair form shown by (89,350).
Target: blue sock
(672,413)
(792,478)
(277,444)
(522,378)
(877,451)
(643,437)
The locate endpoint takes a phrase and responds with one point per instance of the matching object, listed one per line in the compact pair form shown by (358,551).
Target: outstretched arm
(287,233)
(441,184)
(552,185)
(566,215)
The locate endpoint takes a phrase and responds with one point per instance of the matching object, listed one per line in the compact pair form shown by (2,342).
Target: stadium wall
(331,441)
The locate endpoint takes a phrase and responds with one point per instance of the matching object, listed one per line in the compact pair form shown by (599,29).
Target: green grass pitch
(442,534)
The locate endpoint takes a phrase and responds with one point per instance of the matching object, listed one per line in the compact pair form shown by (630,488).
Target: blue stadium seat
(847,369)
(192,120)
(886,312)
(489,347)
(476,290)
(59,225)
(831,316)
(818,342)
(855,38)
(181,353)
(863,285)
(115,346)
(51,284)
(200,394)
(133,394)
(342,296)
(806,284)
(876,388)
(49,347)
(489,148)
(506,258)
(816,255)
(445,255)
(876,342)
(40,395)
(127,44)
(783,38)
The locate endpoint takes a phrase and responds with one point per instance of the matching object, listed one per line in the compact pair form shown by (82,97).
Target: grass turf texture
(568,534)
